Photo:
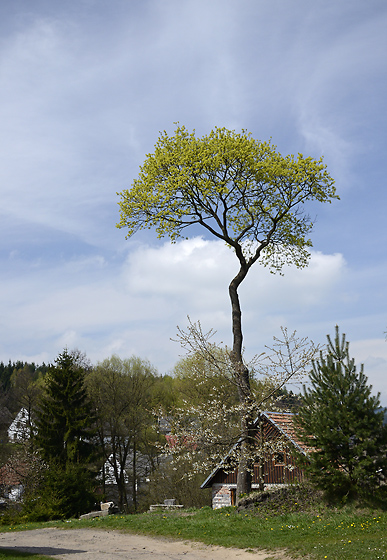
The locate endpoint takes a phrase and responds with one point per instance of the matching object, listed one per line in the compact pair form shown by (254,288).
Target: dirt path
(88,544)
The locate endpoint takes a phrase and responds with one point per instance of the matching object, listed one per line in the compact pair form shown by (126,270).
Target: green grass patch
(335,534)
(12,555)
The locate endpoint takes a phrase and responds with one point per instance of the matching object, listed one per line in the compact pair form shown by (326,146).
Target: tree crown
(239,189)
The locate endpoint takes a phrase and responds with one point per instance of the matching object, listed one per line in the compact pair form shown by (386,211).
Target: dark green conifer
(342,423)
(65,439)
(65,417)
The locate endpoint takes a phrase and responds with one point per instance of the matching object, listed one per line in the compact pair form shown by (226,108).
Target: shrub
(62,493)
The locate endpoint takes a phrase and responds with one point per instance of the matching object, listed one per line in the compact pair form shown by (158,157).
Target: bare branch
(289,360)
(207,431)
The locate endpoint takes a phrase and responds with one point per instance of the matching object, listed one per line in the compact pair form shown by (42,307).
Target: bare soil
(91,544)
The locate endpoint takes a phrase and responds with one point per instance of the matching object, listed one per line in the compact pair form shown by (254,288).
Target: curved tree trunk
(242,377)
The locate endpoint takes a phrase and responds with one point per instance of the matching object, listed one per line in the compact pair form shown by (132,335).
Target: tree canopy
(121,393)
(239,189)
(65,440)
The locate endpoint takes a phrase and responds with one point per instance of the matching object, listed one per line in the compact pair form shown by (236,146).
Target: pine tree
(342,423)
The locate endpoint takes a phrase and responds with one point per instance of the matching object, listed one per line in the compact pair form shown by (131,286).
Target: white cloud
(373,354)
(92,302)
(103,305)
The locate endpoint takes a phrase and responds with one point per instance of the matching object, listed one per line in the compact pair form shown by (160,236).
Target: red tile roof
(284,422)
(10,476)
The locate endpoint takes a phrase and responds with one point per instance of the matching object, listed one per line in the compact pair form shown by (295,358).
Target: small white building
(19,429)
(108,472)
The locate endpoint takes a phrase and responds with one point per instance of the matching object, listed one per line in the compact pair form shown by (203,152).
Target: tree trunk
(244,478)
(242,377)
(119,475)
(134,477)
(261,468)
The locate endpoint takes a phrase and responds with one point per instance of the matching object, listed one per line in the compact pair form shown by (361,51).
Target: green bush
(64,492)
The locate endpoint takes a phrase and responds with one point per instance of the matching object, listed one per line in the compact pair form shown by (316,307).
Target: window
(279,458)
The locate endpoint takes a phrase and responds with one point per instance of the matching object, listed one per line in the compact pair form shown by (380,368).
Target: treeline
(120,431)
(95,433)
(89,433)
(7,370)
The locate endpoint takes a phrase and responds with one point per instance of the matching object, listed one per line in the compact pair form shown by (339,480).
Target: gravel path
(88,544)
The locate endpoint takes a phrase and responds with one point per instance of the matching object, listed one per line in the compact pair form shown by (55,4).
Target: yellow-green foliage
(240,189)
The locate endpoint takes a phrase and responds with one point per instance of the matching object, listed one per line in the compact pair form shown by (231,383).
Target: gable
(281,424)
(19,429)
(273,425)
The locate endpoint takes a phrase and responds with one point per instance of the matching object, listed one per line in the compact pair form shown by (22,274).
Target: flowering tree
(239,190)
(206,426)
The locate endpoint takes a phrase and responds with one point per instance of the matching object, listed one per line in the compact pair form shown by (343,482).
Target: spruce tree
(342,423)
(65,417)
(65,440)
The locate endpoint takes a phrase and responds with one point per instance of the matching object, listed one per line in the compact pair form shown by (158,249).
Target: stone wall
(221,495)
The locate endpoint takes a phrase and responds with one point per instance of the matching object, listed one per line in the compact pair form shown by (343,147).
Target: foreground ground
(282,527)
(82,544)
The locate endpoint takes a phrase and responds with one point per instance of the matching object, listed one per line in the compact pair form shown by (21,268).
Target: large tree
(241,191)
(342,422)
(65,416)
(65,439)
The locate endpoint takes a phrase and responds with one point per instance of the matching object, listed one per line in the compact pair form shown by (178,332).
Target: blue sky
(86,86)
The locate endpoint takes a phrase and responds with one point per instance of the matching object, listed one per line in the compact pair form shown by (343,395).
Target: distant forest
(6,371)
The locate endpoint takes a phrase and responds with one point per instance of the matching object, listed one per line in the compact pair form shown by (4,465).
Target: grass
(12,555)
(343,534)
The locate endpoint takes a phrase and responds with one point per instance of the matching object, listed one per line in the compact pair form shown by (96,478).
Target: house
(141,467)
(107,472)
(277,468)
(11,482)
(19,430)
